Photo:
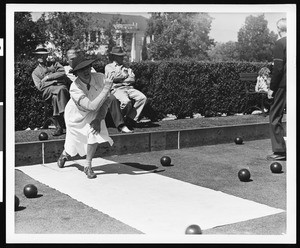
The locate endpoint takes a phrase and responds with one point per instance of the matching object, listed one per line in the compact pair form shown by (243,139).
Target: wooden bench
(249,81)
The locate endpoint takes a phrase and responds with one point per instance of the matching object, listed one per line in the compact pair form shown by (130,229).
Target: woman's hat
(117,51)
(80,62)
(41,49)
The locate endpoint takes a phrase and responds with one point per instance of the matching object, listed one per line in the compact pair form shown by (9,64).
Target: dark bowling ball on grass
(17,202)
(276,167)
(244,175)
(43,136)
(165,161)
(238,140)
(30,191)
(193,229)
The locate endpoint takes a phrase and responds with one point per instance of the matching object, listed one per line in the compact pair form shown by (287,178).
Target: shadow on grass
(280,172)
(20,208)
(246,181)
(170,165)
(37,196)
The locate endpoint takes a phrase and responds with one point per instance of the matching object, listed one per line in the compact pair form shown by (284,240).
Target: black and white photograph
(150,123)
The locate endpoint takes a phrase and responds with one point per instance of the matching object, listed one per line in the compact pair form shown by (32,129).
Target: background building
(132,26)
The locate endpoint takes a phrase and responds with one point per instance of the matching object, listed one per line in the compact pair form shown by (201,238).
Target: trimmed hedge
(183,88)
(29,107)
(177,87)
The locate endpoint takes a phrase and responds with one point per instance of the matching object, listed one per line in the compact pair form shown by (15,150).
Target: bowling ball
(238,140)
(43,136)
(193,229)
(30,191)
(17,202)
(276,167)
(165,161)
(244,175)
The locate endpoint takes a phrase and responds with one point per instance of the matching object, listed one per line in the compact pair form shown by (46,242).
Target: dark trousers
(115,111)
(277,131)
(59,97)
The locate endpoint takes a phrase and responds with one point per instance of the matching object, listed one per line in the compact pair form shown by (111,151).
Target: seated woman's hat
(41,49)
(80,62)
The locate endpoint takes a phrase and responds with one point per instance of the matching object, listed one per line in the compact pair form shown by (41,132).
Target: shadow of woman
(121,168)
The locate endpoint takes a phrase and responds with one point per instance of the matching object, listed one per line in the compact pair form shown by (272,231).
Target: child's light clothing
(262,83)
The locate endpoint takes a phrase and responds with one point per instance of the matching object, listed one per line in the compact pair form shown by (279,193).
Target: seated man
(123,88)
(114,108)
(49,77)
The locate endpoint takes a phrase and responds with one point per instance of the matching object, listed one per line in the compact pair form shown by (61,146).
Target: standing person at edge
(49,77)
(278,91)
(114,108)
(123,88)
(85,113)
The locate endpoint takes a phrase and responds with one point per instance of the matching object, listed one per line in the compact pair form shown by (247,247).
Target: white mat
(147,201)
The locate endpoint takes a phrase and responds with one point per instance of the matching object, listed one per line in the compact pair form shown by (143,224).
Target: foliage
(68,29)
(26,35)
(187,87)
(179,87)
(111,32)
(113,35)
(29,106)
(177,83)
(224,52)
(255,41)
(179,35)
(144,49)
(72,29)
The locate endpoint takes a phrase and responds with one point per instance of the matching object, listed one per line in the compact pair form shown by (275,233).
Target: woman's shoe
(62,160)
(89,172)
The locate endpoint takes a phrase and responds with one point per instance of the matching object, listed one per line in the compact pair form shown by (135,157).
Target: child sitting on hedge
(263,80)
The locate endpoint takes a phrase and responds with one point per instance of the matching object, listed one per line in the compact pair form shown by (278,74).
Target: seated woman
(85,114)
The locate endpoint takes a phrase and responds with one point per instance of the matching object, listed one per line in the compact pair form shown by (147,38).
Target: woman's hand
(95,126)
(108,81)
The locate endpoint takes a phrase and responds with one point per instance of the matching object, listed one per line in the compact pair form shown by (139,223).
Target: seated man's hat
(117,51)
(41,49)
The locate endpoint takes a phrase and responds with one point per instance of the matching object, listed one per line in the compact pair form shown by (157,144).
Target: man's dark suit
(278,86)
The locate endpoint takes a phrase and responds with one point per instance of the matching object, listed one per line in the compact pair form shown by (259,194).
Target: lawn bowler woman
(85,114)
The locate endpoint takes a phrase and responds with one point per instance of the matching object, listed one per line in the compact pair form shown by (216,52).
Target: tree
(111,32)
(255,41)
(26,35)
(78,30)
(67,29)
(144,49)
(224,51)
(179,35)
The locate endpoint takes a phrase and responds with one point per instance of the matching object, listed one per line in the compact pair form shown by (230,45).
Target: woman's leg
(91,150)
